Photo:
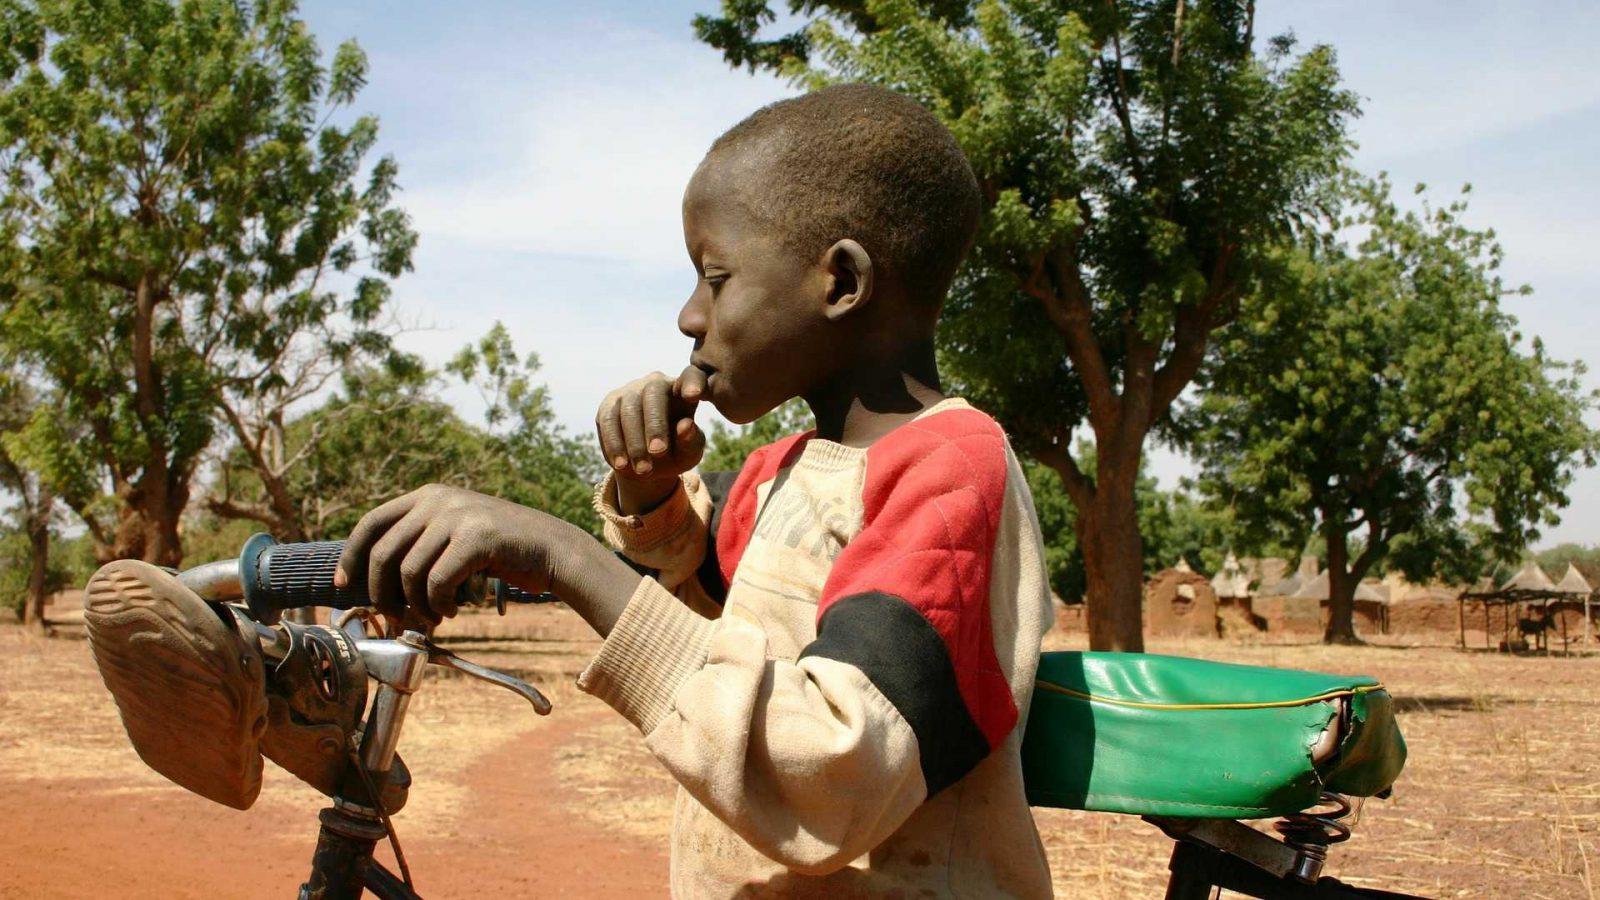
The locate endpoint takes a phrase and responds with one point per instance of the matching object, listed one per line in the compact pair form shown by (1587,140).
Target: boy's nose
(692,318)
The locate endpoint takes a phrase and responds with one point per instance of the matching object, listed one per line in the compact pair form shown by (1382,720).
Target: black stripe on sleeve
(905,659)
(710,571)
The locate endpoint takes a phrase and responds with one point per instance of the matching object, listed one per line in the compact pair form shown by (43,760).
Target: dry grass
(1501,796)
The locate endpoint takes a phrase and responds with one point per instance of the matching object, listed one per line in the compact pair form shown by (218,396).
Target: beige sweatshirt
(835,661)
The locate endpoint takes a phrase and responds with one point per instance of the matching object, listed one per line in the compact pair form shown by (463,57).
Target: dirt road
(1501,797)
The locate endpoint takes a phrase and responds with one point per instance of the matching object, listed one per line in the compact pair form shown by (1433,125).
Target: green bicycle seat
(1168,736)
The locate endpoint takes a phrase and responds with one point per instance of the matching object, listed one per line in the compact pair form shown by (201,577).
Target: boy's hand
(649,437)
(417,549)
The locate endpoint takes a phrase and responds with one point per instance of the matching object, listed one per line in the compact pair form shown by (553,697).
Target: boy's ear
(849,278)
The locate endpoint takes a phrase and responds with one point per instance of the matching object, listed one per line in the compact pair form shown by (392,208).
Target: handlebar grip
(278,576)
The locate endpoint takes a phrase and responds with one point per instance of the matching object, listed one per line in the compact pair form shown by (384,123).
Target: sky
(544,147)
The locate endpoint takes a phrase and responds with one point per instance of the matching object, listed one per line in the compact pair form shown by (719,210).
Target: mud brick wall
(1180,604)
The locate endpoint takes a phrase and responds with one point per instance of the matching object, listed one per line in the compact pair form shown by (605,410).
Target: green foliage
(381,436)
(726,448)
(1554,561)
(1383,396)
(1138,166)
(16,563)
(533,460)
(177,207)
(387,432)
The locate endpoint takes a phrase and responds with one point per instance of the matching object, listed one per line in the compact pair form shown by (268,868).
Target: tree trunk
(1342,583)
(1113,559)
(147,529)
(39,553)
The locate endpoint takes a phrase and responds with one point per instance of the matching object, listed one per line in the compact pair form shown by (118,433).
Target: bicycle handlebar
(275,577)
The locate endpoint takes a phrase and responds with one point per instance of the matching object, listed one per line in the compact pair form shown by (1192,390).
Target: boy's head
(826,228)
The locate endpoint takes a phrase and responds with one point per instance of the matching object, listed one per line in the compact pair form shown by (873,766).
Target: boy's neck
(863,404)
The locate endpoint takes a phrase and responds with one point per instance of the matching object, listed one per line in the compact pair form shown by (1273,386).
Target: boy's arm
(675,543)
(814,762)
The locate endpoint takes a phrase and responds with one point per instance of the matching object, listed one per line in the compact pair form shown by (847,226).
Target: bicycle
(319,676)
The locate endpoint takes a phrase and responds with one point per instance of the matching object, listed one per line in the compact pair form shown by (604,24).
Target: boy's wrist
(638,497)
(590,579)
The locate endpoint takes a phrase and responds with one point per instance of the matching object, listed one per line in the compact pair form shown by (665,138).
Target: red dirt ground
(1501,797)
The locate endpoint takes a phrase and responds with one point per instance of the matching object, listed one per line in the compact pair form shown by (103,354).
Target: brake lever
(439,656)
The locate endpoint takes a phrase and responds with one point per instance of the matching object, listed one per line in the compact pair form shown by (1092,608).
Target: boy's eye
(716,280)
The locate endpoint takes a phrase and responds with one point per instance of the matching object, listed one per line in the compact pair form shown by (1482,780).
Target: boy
(834,658)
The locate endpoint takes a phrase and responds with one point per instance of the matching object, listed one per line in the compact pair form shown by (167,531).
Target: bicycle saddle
(1158,735)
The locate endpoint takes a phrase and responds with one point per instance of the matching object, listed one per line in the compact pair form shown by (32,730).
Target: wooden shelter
(1531,605)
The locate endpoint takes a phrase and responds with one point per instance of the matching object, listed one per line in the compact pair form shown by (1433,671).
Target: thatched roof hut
(1288,587)
(1529,578)
(1318,589)
(1574,583)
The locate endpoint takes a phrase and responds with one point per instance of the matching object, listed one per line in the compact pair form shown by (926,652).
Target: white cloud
(599,155)
(1437,74)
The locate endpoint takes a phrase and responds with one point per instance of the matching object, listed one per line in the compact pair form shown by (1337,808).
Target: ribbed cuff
(656,644)
(641,534)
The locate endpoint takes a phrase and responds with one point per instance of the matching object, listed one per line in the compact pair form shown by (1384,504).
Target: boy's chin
(738,413)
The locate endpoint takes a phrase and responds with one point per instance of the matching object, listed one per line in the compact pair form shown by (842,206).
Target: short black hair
(863,162)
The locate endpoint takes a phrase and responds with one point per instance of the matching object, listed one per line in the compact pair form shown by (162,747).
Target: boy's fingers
(690,386)
(383,563)
(691,442)
(609,427)
(657,395)
(419,562)
(366,533)
(456,563)
(632,416)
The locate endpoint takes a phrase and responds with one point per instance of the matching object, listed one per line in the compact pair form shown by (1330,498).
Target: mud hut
(1285,612)
(1371,603)
(1427,610)
(1179,602)
(1235,612)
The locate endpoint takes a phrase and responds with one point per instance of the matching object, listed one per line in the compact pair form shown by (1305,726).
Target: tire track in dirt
(523,834)
(518,835)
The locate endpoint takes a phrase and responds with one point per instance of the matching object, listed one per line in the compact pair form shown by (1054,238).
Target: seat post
(1189,881)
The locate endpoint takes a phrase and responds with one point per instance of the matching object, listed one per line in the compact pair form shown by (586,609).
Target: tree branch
(229,508)
(1122,98)
(1069,310)
(1079,487)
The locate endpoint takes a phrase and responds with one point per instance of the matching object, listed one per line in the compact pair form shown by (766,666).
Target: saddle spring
(1311,831)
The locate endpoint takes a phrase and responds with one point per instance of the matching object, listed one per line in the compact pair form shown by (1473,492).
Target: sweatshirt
(835,661)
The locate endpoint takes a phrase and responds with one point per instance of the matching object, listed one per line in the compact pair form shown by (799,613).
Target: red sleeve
(931,511)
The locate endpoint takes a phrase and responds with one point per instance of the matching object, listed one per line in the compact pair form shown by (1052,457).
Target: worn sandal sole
(188,686)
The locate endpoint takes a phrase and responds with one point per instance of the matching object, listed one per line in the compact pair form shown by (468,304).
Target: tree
(1382,398)
(1139,160)
(1175,524)
(177,203)
(1555,560)
(535,462)
(34,508)
(382,435)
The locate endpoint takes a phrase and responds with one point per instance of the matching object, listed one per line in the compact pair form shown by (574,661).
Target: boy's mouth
(709,370)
